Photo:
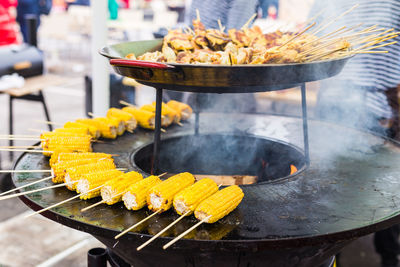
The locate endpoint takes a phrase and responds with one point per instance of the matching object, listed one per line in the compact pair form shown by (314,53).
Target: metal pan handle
(139,63)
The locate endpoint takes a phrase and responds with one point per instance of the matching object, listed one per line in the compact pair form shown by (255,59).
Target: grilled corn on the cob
(167,118)
(106,130)
(94,180)
(67,143)
(136,195)
(58,157)
(58,169)
(127,118)
(94,132)
(184,109)
(145,119)
(189,198)
(160,196)
(113,190)
(220,204)
(80,131)
(116,122)
(73,174)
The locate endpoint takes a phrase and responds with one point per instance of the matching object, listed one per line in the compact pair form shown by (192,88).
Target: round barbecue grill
(345,187)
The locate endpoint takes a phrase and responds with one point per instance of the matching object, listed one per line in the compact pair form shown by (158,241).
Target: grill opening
(241,159)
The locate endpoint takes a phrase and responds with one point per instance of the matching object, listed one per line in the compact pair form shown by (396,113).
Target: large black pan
(215,78)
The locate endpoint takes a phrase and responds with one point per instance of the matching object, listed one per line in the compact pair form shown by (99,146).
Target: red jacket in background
(8,26)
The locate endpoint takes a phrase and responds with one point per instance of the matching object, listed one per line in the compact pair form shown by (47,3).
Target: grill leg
(197,115)
(305,123)
(97,257)
(46,112)
(157,132)
(10,126)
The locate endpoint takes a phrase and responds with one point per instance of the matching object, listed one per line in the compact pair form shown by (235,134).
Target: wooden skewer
(21,138)
(18,135)
(122,102)
(296,36)
(62,202)
(163,231)
(50,122)
(248,21)
(378,46)
(25,150)
(137,224)
(221,28)
(10,147)
(26,185)
(163,130)
(100,202)
(198,14)
(316,16)
(173,241)
(162,174)
(36,130)
(33,191)
(179,123)
(371,52)
(24,171)
(336,19)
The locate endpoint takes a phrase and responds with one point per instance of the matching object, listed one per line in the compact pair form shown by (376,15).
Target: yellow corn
(116,122)
(106,130)
(94,180)
(220,204)
(73,174)
(113,190)
(68,143)
(80,131)
(145,119)
(172,112)
(94,132)
(136,195)
(127,118)
(190,197)
(167,118)
(160,197)
(58,169)
(59,157)
(184,109)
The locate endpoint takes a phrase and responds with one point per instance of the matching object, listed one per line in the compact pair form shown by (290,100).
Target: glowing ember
(293,169)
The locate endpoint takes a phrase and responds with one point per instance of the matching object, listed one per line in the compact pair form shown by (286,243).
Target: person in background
(269,8)
(25,8)
(8,26)
(364,94)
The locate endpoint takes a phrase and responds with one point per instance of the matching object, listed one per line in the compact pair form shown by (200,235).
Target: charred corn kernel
(58,169)
(167,119)
(113,190)
(184,109)
(145,119)
(94,180)
(59,157)
(160,197)
(107,130)
(73,174)
(189,198)
(94,132)
(116,122)
(68,143)
(80,131)
(136,195)
(219,204)
(127,118)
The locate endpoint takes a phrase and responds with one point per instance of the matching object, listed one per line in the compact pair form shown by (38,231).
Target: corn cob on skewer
(219,204)
(68,143)
(73,174)
(58,157)
(176,115)
(80,131)
(106,130)
(167,119)
(116,122)
(160,196)
(189,198)
(136,196)
(58,169)
(145,119)
(94,132)
(112,190)
(126,117)
(184,109)
(95,180)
